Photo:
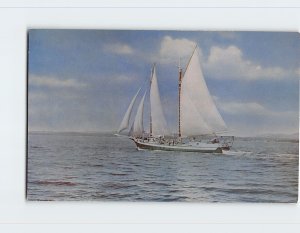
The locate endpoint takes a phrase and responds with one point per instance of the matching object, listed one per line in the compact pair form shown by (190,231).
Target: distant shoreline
(293,136)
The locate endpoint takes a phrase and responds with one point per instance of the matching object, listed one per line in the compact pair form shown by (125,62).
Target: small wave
(68,167)
(285,155)
(100,196)
(165,198)
(174,191)
(171,198)
(157,183)
(117,174)
(54,182)
(37,147)
(290,154)
(96,165)
(249,191)
(114,185)
(69,177)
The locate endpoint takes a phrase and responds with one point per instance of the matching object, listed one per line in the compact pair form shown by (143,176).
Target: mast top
(153,67)
(179,64)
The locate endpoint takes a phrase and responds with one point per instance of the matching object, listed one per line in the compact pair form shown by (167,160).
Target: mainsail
(125,122)
(199,114)
(137,127)
(158,121)
(192,123)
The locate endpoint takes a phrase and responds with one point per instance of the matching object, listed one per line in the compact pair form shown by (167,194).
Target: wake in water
(237,153)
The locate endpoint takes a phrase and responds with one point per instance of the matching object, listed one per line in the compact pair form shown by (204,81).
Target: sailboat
(199,121)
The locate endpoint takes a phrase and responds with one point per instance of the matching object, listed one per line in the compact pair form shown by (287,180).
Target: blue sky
(83,80)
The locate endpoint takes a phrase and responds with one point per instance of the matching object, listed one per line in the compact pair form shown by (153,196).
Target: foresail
(195,94)
(192,123)
(125,122)
(138,128)
(159,124)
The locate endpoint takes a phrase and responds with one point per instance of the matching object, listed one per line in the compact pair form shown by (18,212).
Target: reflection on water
(78,166)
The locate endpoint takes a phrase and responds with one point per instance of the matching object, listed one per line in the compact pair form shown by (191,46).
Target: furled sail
(138,128)
(199,114)
(159,124)
(125,122)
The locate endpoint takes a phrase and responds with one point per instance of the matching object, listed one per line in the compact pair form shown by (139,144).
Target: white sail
(125,122)
(159,124)
(138,128)
(192,123)
(199,114)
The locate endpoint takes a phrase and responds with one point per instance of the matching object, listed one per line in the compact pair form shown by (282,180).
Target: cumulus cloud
(251,109)
(119,48)
(252,118)
(124,78)
(173,49)
(53,82)
(229,63)
(221,62)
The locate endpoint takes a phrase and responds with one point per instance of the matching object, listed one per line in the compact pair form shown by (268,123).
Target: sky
(84,80)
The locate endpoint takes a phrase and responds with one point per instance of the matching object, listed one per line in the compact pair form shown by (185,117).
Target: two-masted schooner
(199,121)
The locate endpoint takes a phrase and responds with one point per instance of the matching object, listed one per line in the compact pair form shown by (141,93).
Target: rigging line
(196,46)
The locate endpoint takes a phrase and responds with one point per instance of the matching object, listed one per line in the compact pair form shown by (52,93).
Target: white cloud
(124,78)
(229,63)
(251,109)
(119,48)
(221,63)
(48,81)
(173,49)
(252,118)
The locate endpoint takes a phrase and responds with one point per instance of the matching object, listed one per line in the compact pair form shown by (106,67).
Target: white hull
(197,147)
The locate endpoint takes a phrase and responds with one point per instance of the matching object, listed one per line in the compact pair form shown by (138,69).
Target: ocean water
(103,167)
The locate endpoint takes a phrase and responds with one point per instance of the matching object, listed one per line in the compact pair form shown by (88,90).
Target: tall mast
(179,98)
(152,71)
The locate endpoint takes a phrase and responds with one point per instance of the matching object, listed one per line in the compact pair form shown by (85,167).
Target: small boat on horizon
(199,121)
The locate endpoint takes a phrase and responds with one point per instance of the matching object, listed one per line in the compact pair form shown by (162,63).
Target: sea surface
(103,167)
